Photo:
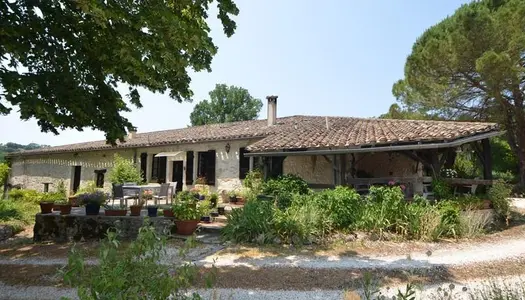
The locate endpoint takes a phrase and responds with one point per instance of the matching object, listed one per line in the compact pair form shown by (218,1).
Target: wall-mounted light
(227,147)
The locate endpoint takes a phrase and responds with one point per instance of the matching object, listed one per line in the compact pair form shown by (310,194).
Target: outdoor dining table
(139,189)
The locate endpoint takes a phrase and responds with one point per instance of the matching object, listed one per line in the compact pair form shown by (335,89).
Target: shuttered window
(189,167)
(206,166)
(244,163)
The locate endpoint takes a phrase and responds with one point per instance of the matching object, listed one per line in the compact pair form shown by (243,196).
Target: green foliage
(96,197)
(226,104)
(124,171)
(14,147)
(25,195)
(64,84)
(254,223)
(52,197)
(344,205)
(470,66)
(131,272)
(4,172)
(254,181)
(284,187)
(302,224)
(20,210)
(441,189)
(472,223)
(450,221)
(506,176)
(88,188)
(499,194)
(191,210)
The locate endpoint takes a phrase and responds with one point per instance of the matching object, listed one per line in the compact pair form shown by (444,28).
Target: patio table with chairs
(133,191)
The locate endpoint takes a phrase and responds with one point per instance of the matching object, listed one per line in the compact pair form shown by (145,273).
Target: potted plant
(205,209)
(46,206)
(233,196)
(115,210)
(64,206)
(187,215)
(167,211)
(93,201)
(152,210)
(213,199)
(240,198)
(220,210)
(135,209)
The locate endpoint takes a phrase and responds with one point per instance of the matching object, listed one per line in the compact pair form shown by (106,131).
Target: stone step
(221,219)
(211,227)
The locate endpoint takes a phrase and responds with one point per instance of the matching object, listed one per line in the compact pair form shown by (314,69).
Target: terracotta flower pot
(240,200)
(65,209)
(135,210)
(46,207)
(74,201)
(92,209)
(186,227)
(56,207)
(233,199)
(168,213)
(115,212)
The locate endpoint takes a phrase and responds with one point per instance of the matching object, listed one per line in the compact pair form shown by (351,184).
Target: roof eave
(384,148)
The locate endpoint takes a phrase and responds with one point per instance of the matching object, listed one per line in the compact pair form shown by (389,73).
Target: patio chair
(163,193)
(173,190)
(118,194)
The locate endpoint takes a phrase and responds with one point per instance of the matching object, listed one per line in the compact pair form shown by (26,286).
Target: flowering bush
(97,197)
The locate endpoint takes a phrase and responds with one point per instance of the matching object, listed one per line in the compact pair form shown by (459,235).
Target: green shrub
(441,189)
(131,272)
(18,213)
(52,197)
(253,223)
(499,194)
(449,211)
(343,204)
(25,195)
(4,172)
(254,181)
(506,176)
(473,223)
(302,224)
(284,187)
(124,171)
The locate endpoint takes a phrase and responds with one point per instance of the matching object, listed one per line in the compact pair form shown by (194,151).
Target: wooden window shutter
(189,167)
(210,167)
(244,163)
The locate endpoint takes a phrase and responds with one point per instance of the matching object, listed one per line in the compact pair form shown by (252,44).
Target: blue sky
(331,57)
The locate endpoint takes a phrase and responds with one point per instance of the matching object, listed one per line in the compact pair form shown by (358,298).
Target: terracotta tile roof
(297,132)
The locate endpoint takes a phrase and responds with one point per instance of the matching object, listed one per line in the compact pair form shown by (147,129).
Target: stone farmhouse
(325,151)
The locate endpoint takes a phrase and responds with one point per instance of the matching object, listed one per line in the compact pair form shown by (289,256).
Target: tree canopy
(226,104)
(60,61)
(14,147)
(471,65)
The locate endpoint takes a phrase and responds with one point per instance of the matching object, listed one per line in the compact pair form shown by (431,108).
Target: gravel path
(447,257)
(460,291)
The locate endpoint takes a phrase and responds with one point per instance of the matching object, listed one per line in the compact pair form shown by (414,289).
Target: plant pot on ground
(46,207)
(187,215)
(74,201)
(206,219)
(167,211)
(232,196)
(220,210)
(152,211)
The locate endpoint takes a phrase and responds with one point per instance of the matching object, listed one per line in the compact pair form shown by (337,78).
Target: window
(244,163)
(189,167)
(158,169)
(206,166)
(99,178)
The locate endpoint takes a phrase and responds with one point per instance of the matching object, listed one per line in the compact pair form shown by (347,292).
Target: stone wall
(314,169)
(386,164)
(32,172)
(68,228)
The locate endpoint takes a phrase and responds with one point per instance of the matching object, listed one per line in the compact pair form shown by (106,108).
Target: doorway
(76,178)
(177,174)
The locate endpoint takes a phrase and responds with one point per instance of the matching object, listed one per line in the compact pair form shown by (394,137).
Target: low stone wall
(6,232)
(67,228)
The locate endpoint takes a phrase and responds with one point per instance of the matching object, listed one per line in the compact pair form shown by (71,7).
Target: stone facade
(314,169)
(32,172)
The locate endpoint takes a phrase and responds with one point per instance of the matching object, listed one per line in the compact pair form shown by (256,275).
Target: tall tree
(473,64)
(60,61)
(226,104)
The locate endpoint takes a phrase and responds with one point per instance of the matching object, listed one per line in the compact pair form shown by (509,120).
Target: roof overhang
(168,154)
(385,148)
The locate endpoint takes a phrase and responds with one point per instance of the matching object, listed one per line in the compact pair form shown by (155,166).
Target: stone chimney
(272,110)
(131,134)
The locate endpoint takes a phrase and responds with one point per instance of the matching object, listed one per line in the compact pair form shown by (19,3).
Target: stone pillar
(251,163)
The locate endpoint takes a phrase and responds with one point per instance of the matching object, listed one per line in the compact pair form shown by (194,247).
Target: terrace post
(487,159)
